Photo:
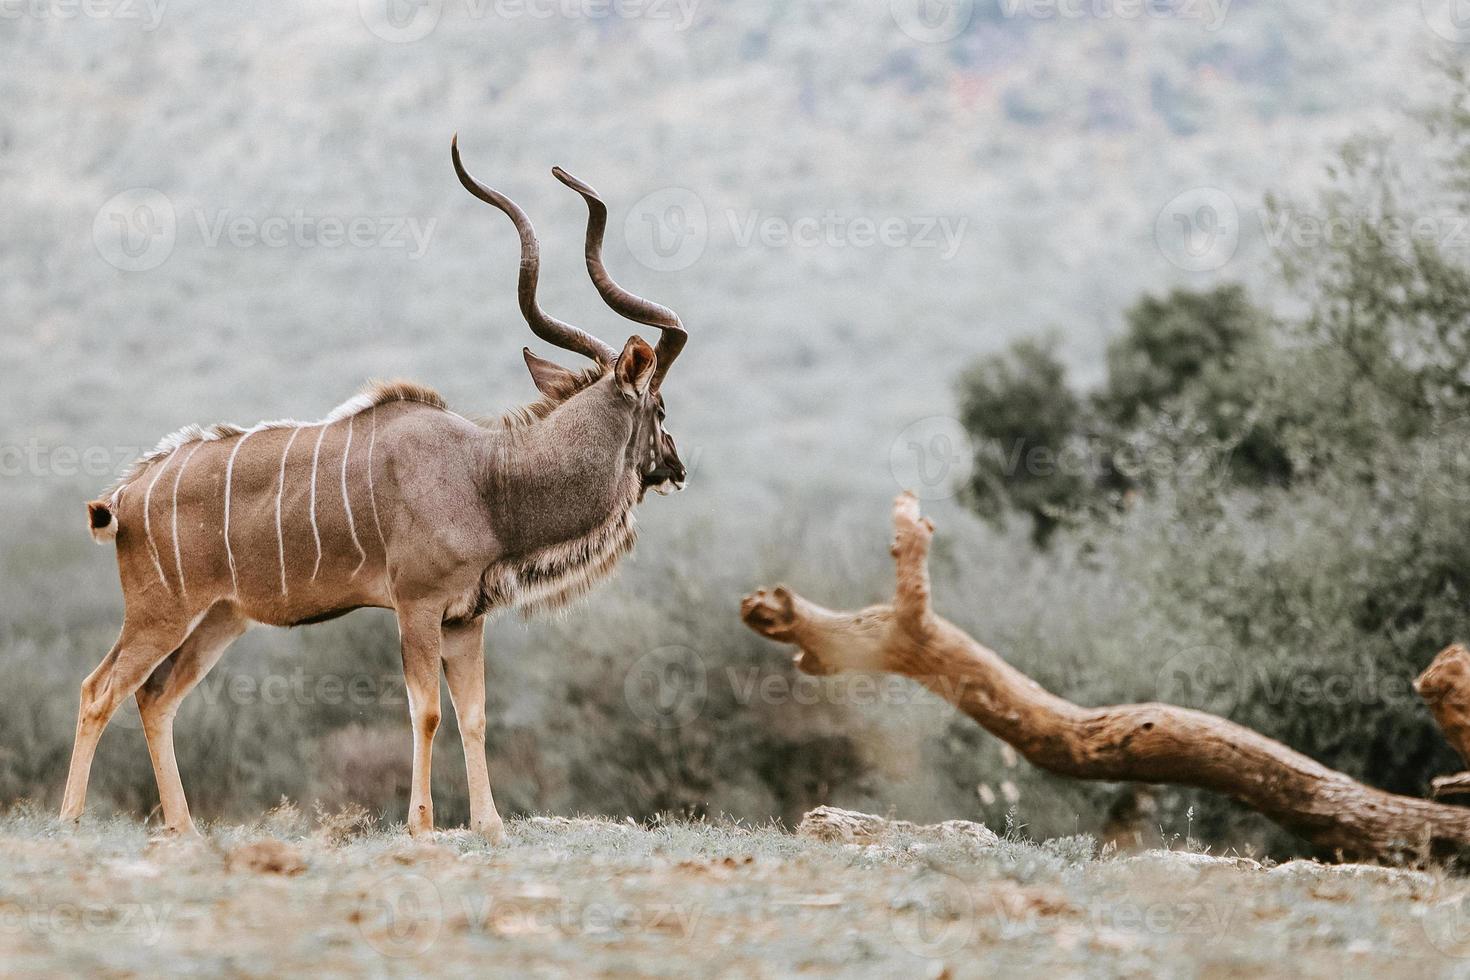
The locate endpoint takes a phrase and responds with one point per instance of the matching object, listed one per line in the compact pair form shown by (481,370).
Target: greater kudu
(391,501)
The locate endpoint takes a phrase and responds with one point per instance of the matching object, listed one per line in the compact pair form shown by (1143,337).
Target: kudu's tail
(102,521)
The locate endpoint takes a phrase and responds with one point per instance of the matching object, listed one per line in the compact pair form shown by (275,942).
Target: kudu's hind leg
(160,696)
(135,655)
(421,631)
(464,669)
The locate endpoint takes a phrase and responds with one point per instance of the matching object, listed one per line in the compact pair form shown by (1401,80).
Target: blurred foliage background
(1234,483)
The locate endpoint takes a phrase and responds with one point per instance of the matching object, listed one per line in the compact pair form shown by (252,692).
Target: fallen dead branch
(1455,785)
(1445,688)
(1147,743)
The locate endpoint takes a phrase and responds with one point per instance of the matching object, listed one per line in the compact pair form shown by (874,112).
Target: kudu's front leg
(421,629)
(139,650)
(464,668)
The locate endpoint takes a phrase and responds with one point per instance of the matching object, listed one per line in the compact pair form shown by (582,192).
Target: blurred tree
(1171,344)
(1023,415)
(1203,359)
(1188,371)
(1333,561)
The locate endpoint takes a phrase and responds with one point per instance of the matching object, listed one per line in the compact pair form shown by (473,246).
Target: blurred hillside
(1056,143)
(844,213)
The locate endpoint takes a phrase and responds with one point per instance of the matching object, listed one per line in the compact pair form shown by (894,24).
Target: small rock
(962,829)
(584,823)
(1361,872)
(134,869)
(835,825)
(1192,859)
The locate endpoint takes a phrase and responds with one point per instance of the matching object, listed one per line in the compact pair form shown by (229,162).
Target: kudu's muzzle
(669,474)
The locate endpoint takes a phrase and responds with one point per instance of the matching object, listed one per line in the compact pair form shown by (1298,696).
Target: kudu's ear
(635,367)
(548,376)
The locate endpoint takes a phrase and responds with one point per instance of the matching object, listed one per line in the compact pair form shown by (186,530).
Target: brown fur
(400,390)
(376,393)
(391,501)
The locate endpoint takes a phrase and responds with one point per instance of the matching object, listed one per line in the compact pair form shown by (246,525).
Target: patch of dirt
(271,857)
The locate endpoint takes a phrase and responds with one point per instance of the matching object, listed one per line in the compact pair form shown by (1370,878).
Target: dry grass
(331,896)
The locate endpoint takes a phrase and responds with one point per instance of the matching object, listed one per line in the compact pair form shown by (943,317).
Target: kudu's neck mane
(560,391)
(569,524)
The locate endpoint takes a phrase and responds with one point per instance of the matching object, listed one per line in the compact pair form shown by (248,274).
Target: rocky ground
(333,895)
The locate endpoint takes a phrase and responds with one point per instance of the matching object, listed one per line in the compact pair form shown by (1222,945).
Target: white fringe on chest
(558,575)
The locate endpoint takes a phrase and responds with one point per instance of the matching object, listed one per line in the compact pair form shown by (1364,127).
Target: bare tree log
(1445,687)
(1147,743)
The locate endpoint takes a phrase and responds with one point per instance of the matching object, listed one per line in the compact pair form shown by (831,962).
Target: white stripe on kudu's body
(148,526)
(528,512)
(372,491)
(281,492)
(347,503)
(178,554)
(229,483)
(315,532)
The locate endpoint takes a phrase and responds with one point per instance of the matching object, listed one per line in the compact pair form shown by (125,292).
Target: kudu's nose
(668,471)
(669,474)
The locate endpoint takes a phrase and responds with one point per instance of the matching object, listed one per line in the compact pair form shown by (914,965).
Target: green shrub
(1310,579)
